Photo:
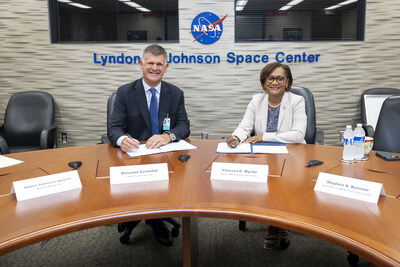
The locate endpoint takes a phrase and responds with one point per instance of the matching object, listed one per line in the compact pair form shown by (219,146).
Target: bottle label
(348,142)
(359,139)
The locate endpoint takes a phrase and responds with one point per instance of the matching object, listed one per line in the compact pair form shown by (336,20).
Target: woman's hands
(233,141)
(254,139)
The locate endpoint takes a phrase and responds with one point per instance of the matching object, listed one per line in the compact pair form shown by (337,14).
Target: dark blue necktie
(154,113)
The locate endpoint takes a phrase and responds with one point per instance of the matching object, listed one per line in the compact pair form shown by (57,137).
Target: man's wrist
(120,139)
(172,136)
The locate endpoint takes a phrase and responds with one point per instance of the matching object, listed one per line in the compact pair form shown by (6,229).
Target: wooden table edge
(356,247)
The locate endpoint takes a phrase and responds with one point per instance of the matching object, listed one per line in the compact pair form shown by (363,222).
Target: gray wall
(216,94)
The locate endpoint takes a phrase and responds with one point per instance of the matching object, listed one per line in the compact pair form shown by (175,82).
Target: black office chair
(110,108)
(386,137)
(314,135)
(28,123)
(127,227)
(368,128)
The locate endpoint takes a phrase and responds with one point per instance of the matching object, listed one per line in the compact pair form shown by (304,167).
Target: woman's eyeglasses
(279,79)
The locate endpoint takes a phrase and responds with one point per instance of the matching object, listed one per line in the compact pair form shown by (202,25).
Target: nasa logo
(207,28)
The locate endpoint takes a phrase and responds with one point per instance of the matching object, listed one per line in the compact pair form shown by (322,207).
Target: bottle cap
(348,126)
(359,125)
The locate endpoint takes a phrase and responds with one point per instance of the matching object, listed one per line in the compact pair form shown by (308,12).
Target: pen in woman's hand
(233,141)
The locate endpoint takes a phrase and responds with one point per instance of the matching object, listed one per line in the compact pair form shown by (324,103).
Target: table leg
(190,241)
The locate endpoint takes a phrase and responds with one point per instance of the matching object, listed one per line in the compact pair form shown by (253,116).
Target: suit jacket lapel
(141,102)
(264,113)
(284,109)
(165,97)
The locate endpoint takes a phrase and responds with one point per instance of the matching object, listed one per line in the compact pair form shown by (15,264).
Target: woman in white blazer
(275,115)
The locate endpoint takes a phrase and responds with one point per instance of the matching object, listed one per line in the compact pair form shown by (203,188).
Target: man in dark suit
(150,110)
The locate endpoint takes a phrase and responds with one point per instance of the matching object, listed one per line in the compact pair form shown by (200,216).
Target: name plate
(239,172)
(46,185)
(139,173)
(349,187)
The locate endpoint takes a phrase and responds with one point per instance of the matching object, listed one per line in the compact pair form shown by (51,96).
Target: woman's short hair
(270,67)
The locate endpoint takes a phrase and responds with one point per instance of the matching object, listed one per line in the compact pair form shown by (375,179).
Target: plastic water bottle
(348,147)
(359,141)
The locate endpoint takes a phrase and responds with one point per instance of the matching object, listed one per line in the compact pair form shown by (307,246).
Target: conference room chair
(110,108)
(386,137)
(314,135)
(28,123)
(127,227)
(371,103)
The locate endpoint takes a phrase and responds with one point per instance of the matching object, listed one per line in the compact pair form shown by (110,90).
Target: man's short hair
(155,50)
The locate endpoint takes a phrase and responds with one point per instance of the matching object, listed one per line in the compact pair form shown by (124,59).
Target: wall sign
(230,57)
(207,28)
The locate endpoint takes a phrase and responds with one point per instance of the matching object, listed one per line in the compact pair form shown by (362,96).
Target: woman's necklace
(272,105)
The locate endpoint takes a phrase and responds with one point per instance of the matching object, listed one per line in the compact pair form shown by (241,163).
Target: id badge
(167,124)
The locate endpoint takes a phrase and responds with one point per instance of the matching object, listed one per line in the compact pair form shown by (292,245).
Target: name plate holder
(239,172)
(349,187)
(46,185)
(139,173)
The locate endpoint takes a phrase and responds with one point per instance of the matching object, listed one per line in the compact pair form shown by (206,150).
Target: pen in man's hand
(134,140)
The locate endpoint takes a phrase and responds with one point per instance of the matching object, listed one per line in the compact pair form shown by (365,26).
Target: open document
(262,148)
(176,146)
(269,148)
(143,151)
(6,161)
(173,146)
(223,147)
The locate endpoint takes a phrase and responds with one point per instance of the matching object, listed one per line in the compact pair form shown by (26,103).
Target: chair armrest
(369,130)
(319,136)
(104,139)
(48,137)
(3,146)
(1,129)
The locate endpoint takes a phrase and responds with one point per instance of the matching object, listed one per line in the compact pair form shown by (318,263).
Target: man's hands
(233,141)
(158,140)
(128,144)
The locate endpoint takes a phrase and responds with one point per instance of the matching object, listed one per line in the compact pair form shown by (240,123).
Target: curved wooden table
(287,200)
